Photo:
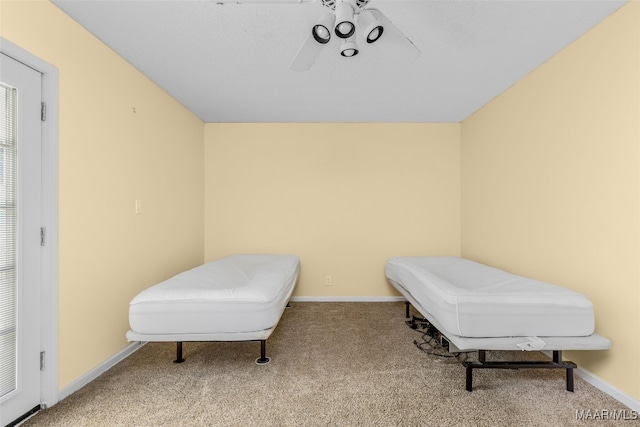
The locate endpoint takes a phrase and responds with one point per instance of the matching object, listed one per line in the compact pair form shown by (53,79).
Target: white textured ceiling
(229,62)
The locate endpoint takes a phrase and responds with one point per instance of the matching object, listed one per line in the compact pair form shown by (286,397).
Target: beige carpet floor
(333,364)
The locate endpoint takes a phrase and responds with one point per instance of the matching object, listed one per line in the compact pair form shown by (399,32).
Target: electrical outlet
(327,280)
(138,207)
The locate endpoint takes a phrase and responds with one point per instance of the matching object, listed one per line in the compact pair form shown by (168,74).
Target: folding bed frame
(236,298)
(479,308)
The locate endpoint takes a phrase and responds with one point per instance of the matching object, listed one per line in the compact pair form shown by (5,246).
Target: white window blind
(8,216)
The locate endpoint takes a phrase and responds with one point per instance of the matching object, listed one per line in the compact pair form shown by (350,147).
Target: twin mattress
(239,297)
(473,300)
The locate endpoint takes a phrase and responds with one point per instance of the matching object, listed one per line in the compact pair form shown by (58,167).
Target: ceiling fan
(348,19)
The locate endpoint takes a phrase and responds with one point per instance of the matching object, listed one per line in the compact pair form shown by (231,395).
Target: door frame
(49,260)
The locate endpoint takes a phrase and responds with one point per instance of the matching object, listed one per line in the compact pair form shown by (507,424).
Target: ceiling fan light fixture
(349,48)
(320,30)
(345,26)
(370,22)
(321,34)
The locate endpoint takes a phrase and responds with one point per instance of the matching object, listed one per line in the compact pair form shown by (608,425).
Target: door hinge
(43,235)
(42,360)
(43,111)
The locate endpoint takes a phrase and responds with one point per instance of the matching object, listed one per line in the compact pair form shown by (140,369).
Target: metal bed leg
(179,358)
(557,359)
(263,359)
(482,358)
(469,378)
(570,379)
(407,305)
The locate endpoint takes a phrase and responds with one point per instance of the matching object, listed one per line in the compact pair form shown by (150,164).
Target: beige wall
(109,157)
(551,186)
(344,197)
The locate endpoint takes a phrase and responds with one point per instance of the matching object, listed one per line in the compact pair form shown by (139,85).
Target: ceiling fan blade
(307,55)
(394,43)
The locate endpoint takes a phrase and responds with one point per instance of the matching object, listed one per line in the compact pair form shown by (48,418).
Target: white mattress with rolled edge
(238,294)
(474,300)
(519,343)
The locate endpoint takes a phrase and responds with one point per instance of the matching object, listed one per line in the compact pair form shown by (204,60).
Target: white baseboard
(604,386)
(99,370)
(348,299)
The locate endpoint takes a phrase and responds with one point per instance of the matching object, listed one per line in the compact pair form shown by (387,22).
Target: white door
(20,219)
